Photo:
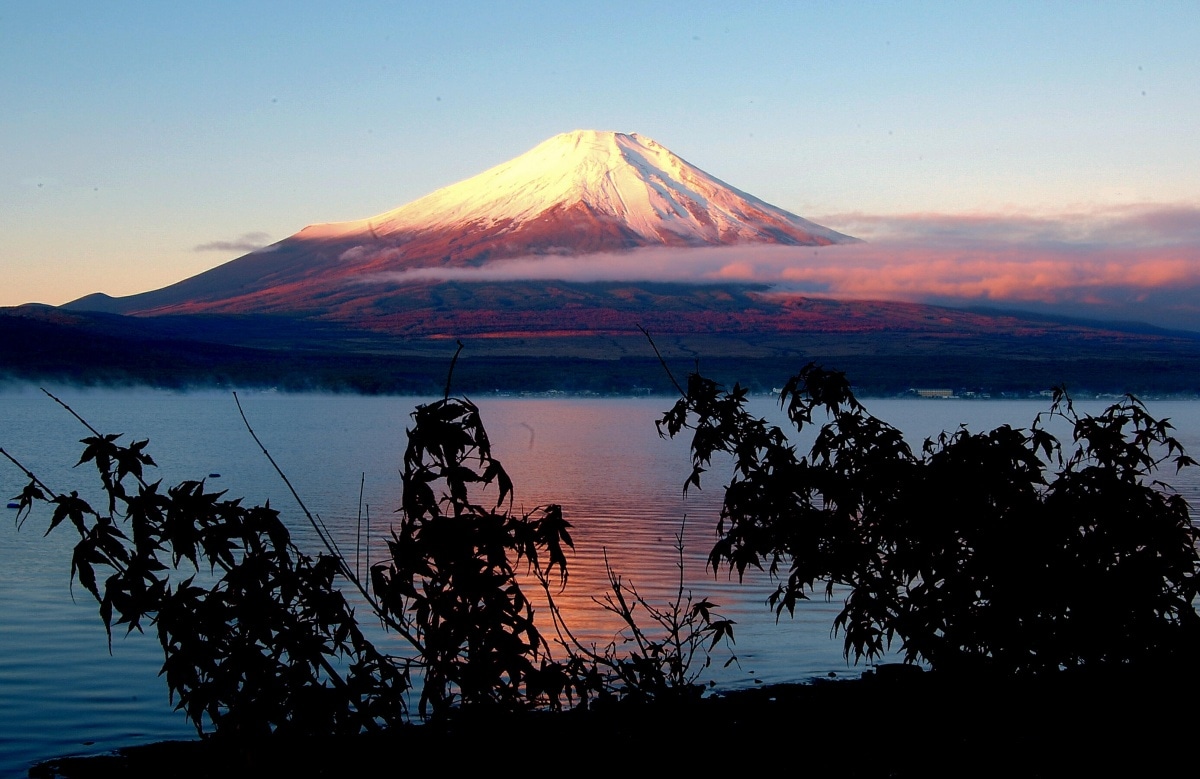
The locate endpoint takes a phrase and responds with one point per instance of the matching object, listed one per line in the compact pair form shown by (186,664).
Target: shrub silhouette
(1000,552)
(663,663)
(259,638)
(965,553)
(451,582)
(256,638)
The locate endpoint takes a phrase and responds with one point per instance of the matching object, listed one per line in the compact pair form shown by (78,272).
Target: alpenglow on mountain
(578,193)
(610,181)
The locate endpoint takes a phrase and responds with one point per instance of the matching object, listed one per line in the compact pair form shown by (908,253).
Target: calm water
(620,485)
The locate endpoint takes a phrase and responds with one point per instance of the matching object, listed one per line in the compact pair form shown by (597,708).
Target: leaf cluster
(998,551)
(451,580)
(255,637)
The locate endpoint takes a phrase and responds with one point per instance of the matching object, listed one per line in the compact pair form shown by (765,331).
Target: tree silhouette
(990,552)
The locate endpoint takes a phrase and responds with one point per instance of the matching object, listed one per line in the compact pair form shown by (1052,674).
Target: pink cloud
(740,271)
(897,271)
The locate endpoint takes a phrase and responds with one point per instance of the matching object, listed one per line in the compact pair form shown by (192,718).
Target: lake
(620,485)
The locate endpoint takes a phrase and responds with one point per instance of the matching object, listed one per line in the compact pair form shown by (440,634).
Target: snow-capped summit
(656,196)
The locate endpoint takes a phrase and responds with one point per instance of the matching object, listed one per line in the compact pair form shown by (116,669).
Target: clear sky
(144,142)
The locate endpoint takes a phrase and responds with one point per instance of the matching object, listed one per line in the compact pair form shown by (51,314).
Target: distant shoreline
(92,349)
(9,384)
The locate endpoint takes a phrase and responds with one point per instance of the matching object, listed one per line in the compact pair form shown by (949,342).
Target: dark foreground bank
(902,725)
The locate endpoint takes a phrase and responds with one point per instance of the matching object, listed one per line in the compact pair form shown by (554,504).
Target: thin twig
(661,361)
(450,373)
(358,530)
(71,411)
(316,523)
(330,547)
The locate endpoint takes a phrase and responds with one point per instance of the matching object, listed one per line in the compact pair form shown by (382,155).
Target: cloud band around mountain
(1133,262)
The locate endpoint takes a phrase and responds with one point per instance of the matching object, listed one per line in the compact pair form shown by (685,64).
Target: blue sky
(142,143)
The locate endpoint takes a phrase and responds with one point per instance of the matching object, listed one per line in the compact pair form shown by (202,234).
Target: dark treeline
(47,345)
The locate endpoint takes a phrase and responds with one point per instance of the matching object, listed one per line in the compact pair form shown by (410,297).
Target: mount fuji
(577,194)
(374,304)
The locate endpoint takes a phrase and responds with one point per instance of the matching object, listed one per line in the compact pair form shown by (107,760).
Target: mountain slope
(577,194)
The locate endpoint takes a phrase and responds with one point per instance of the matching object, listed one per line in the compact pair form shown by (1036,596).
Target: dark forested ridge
(887,348)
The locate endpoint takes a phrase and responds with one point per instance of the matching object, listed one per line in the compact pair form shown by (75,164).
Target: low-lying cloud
(246,242)
(1134,263)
